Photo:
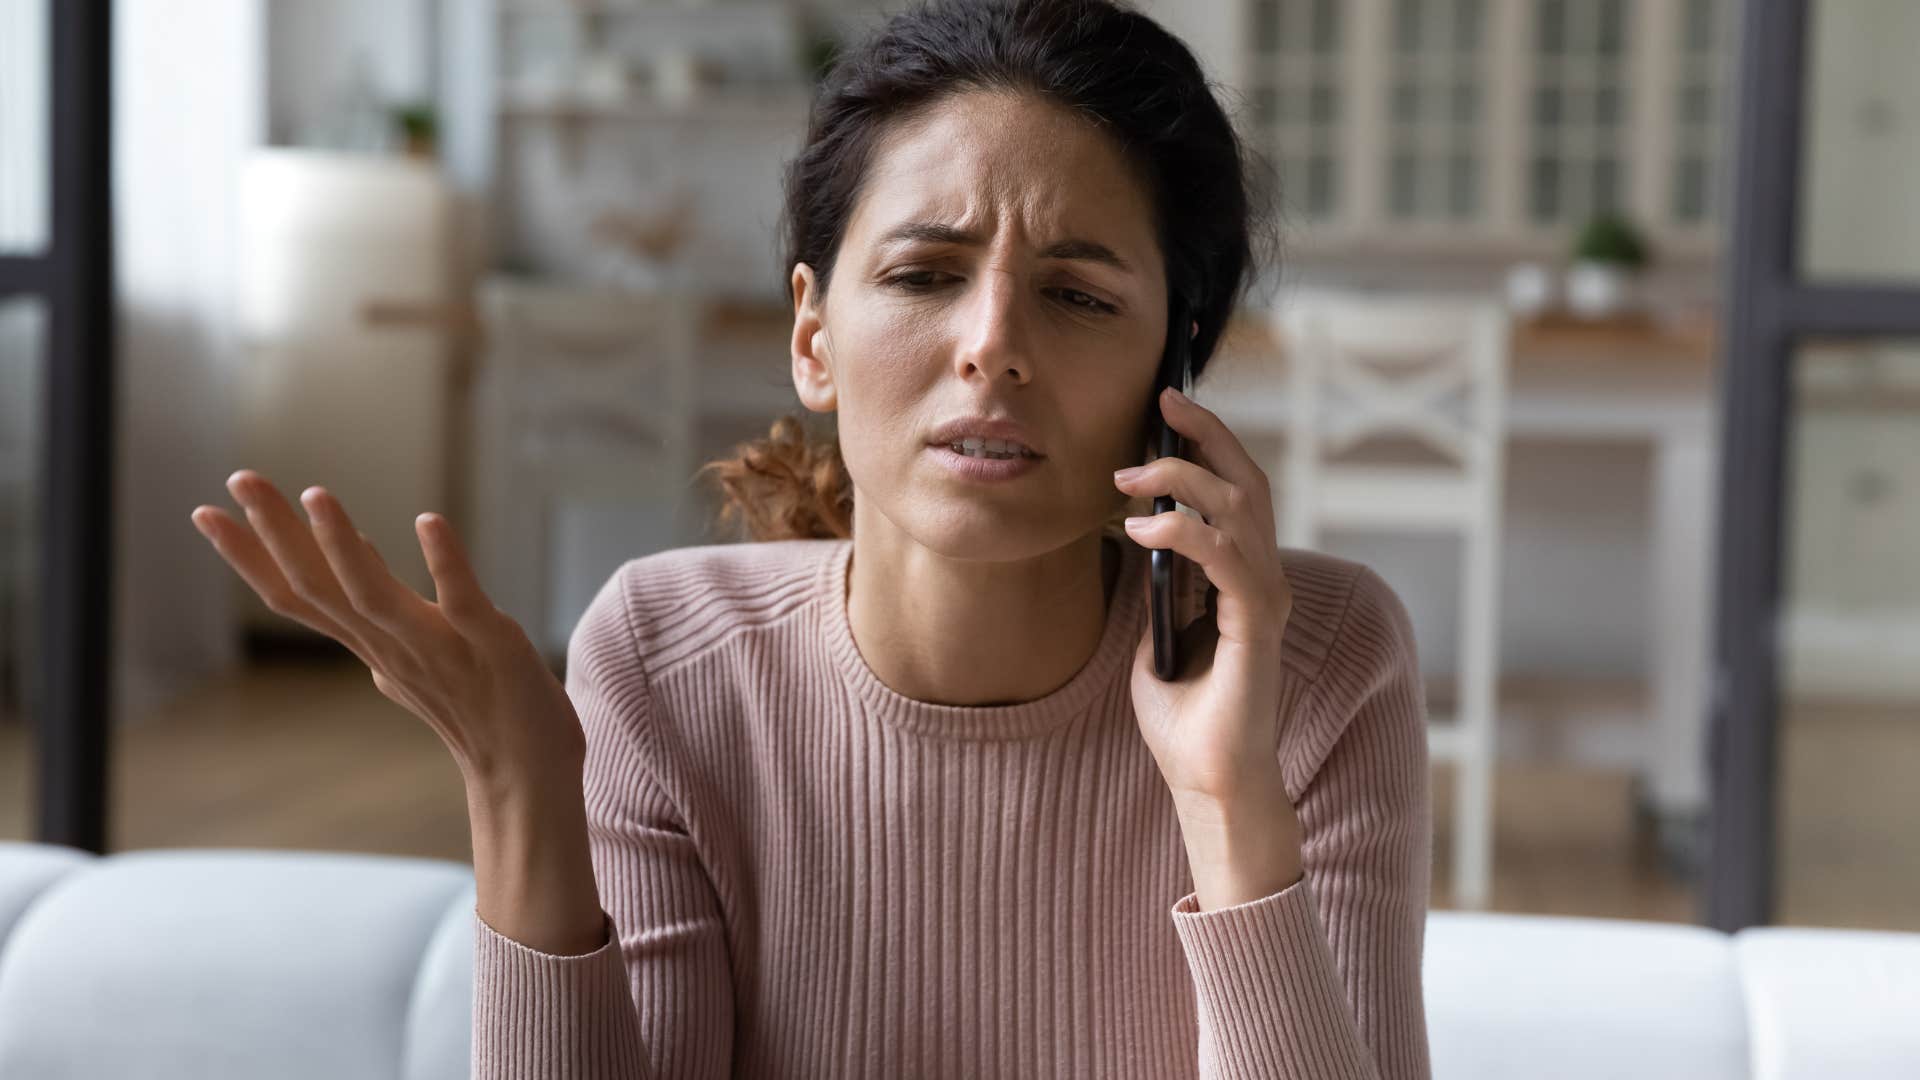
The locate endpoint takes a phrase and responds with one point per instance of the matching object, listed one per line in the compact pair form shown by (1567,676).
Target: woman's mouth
(985,459)
(997,449)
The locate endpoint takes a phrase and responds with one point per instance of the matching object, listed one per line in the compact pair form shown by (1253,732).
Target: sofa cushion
(440,1017)
(1825,1003)
(213,963)
(27,871)
(1525,996)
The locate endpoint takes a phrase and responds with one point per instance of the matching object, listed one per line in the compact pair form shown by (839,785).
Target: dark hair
(1098,58)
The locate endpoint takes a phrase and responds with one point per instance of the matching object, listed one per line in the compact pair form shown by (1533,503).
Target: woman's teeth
(990,448)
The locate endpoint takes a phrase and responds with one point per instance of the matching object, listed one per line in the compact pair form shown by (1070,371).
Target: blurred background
(516,261)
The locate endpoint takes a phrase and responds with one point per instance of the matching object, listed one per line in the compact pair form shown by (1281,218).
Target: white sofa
(208,964)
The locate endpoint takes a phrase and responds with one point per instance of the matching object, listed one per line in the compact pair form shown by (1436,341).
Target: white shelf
(722,8)
(731,102)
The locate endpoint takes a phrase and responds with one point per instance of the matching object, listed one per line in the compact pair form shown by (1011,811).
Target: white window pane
(1466,104)
(1405,185)
(1699,34)
(1859,205)
(1690,190)
(1326,26)
(1606,184)
(1606,106)
(1324,105)
(1463,187)
(24,149)
(1406,25)
(1544,189)
(1466,26)
(1612,31)
(1265,105)
(1320,185)
(1551,22)
(1406,103)
(1546,107)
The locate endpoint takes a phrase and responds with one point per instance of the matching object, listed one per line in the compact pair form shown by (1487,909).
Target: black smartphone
(1175,370)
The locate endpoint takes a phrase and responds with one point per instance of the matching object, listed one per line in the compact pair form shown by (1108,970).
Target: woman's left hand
(1214,729)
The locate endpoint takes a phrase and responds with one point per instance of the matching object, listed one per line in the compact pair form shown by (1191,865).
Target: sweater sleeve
(655,1000)
(1323,978)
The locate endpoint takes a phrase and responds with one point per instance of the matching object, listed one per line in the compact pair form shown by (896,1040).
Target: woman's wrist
(1241,849)
(533,867)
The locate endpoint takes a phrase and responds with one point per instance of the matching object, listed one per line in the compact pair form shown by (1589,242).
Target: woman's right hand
(457,662)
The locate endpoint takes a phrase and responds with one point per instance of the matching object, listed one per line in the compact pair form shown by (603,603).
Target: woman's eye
(1088,302)
(922,280)
(912,279)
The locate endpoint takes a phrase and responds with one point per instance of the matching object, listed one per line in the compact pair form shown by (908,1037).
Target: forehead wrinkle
(964,170)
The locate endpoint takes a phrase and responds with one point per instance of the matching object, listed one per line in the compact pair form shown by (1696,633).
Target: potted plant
(418,127)
(1607,258)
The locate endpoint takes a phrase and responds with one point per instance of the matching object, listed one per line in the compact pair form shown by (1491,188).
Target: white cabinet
(1494,124)
(325,396)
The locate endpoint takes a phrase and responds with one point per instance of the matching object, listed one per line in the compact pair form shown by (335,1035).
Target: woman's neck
(970,632)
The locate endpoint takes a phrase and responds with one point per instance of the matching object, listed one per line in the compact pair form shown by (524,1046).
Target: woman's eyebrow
(933,232)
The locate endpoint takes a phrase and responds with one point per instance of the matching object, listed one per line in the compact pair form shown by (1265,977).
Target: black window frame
(72,278)
(1770,311)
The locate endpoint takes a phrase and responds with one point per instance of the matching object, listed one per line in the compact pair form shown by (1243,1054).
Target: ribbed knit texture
(807,874)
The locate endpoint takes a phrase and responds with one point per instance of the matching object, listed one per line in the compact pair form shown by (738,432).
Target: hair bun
(787,485)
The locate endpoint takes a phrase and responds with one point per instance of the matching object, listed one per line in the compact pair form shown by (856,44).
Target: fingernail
(1127,473)
(1136,522)
(1177,395)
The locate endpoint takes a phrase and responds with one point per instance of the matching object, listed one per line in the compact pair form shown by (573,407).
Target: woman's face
(1000,262)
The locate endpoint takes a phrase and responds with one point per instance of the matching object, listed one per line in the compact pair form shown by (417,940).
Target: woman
(895,791)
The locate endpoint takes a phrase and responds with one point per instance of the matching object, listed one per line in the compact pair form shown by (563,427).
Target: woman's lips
(983,468)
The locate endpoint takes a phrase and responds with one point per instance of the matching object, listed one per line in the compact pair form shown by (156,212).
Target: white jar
(1597,290)
(1529,289)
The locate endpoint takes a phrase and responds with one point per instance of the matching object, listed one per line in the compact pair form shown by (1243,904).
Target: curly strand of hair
(786,485)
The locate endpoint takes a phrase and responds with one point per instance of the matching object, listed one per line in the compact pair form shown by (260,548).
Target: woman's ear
(812,347)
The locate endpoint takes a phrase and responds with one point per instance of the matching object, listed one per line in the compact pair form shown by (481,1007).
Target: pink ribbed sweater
(808,874)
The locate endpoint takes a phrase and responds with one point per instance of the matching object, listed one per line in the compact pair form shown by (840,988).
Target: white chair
(1426,376)
(583,442)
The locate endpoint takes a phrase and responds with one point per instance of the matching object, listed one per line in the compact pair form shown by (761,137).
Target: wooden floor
(308,755)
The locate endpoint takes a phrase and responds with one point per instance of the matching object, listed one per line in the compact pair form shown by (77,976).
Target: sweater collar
(1106,672)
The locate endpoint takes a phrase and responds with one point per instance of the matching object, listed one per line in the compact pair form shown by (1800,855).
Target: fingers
(291,542)
(456,587)
(1225,506)
(369,586)
(1192,484)
(250,559)
(1250,607)
(1221,450)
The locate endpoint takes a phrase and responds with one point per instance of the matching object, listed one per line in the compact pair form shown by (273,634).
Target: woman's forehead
(985,165)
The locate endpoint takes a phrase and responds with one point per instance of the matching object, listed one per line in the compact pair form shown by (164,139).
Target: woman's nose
(993,338)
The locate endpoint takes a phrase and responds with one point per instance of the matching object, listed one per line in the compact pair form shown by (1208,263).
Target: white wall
(188,96)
